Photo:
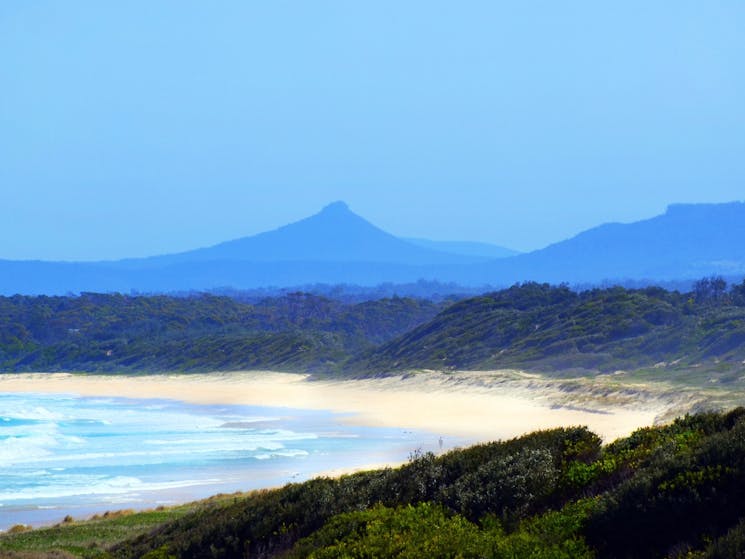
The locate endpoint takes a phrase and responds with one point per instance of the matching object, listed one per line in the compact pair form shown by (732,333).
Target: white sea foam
(120,485)
(283,453)
(22,473)
(15,450)
(59,451)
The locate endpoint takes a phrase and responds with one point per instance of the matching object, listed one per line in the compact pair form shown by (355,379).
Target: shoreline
(474,406)
(463,408)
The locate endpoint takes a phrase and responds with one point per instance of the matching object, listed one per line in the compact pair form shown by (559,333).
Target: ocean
(64,454)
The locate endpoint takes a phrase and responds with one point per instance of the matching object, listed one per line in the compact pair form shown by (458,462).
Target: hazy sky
(142,127)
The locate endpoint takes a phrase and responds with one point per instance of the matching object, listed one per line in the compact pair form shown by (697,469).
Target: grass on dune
(87,539)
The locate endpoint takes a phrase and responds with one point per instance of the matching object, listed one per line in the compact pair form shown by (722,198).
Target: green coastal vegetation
(112,332)
(674,491)
(552,328)
(530,325)
(670,491)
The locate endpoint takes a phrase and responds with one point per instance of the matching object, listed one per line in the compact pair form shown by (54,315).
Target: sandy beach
(165,453)
(475,406)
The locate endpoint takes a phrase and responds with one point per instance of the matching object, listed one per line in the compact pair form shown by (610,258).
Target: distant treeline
(423,289)
(349,293)
(528,325)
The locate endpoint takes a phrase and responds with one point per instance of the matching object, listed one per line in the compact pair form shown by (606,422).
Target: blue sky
(140,127)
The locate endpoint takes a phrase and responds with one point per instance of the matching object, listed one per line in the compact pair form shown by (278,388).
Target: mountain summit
(338,207)
(335,234)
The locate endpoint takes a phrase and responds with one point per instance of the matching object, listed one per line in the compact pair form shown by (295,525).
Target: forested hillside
(530,325)
(95,332)
(674,491)
(553,328)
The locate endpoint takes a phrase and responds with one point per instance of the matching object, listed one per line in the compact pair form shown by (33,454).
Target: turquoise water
(64,455)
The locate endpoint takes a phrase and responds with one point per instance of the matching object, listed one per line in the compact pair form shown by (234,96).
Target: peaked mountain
(688,241)
(335,234)
(333,246)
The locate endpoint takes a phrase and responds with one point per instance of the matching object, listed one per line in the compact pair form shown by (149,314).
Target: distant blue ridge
(336,246)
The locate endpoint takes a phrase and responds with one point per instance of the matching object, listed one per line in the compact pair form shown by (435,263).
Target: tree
(737,294)
(710,290)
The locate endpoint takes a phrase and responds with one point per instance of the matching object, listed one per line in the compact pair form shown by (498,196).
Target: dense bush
(536,325)
(272,521)
(97,332)
(676,491)
(552,328)
(671,491)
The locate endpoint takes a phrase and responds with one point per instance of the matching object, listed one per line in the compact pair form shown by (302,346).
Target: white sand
(475,406)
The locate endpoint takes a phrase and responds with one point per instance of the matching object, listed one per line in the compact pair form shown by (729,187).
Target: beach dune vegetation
(662,492)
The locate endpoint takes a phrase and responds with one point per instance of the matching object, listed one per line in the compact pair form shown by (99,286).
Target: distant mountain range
(338,246)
